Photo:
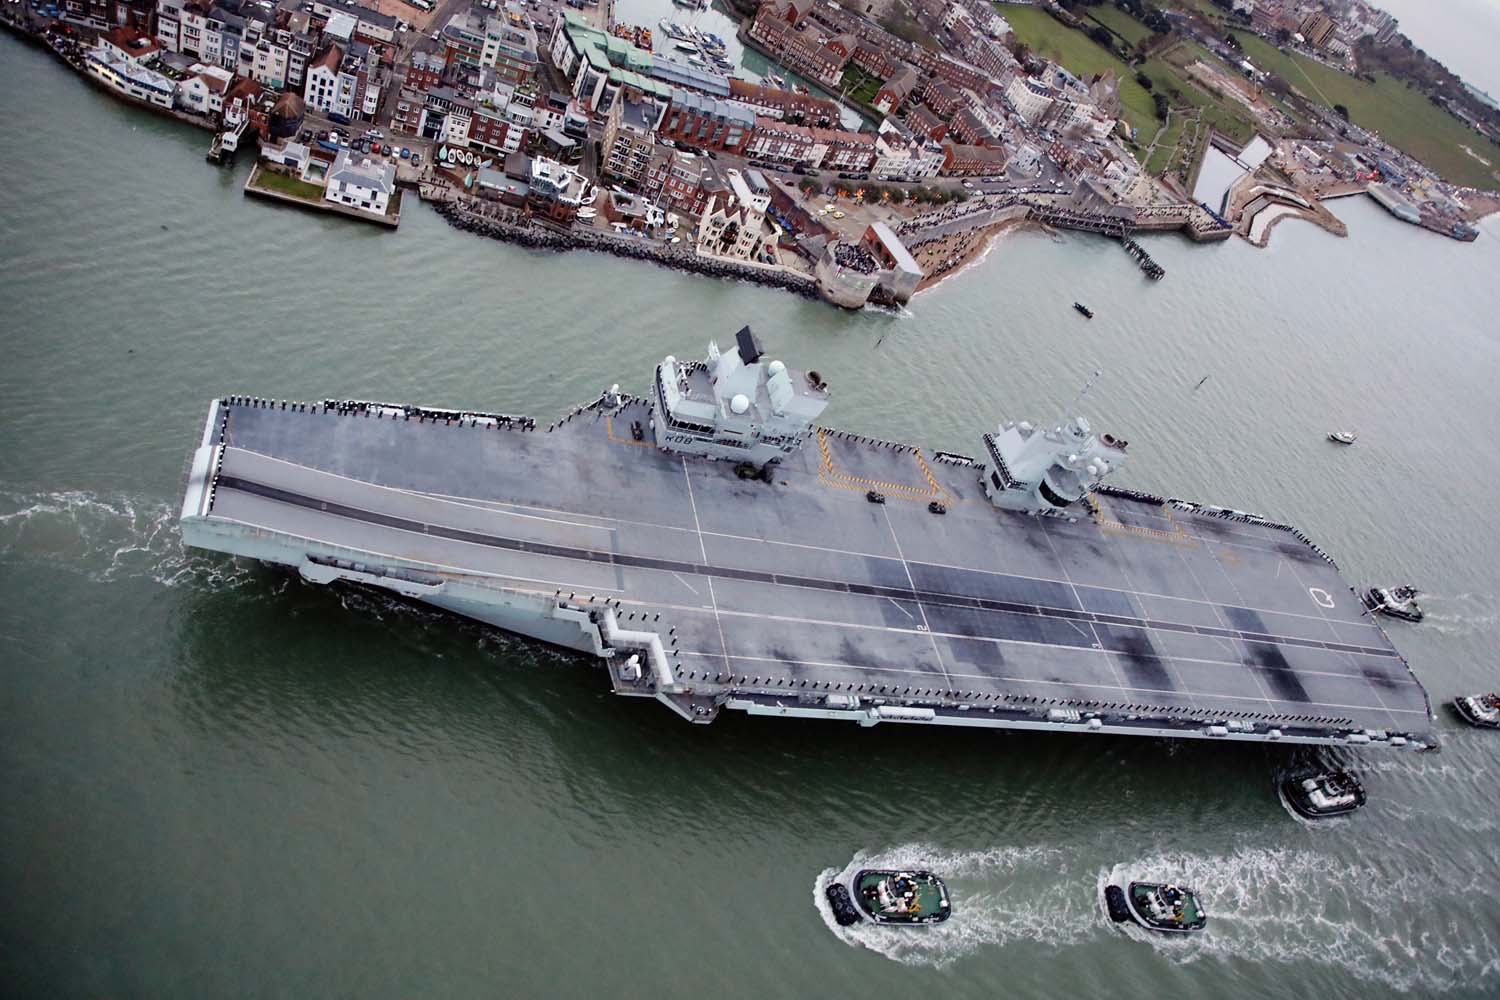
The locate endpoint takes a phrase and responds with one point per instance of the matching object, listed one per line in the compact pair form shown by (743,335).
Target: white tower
(1048,471)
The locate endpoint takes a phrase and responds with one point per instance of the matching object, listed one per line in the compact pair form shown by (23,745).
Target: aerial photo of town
(749,498)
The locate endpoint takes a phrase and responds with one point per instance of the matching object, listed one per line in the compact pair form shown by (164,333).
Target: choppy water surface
(221,781)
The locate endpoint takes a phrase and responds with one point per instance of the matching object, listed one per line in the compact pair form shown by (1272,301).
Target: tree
(1100,34)
(1157,21)
(1341,111)
(1233,41)
(1161,106)
(1144,80)
(1283,37)
(808,185)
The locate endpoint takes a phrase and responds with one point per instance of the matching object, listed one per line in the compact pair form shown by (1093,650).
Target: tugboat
(890,897)
(1318,796)
(1156,906)
(1482,710)
(1398,602)
(1087,312)
(1343,437)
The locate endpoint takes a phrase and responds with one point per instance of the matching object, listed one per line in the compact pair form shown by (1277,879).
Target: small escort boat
(1398,602)
(1087,312)
(1156,906)
(875,896)
(1318,796)
(1343,437)
(1482,710)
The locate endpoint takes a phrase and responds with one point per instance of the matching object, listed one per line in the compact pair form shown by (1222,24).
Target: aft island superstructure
(717,548)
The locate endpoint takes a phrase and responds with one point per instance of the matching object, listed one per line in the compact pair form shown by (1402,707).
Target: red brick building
(972,161)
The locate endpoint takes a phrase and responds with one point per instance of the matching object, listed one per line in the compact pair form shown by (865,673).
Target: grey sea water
(219,781)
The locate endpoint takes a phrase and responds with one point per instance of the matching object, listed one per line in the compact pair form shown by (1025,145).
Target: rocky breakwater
(523,231)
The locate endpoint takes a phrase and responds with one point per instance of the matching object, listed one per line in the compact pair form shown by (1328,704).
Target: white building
(338,83)
(1031,98)
(203,90)
(121,61)
(738,229)
(366,186)
(899,153)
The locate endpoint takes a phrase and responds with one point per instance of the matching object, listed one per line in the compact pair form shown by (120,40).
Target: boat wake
(107,538)
(988,908)
(1281,905)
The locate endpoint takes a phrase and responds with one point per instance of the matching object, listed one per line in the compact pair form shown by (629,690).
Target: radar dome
(776,367)
(740,403)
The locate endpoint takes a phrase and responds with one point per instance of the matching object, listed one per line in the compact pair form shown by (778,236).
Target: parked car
(405,153)
(334,116)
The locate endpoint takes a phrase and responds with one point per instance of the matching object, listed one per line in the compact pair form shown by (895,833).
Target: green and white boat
(1156,906)
(878,896)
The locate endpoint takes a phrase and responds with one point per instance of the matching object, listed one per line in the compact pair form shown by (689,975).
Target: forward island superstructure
(716,548)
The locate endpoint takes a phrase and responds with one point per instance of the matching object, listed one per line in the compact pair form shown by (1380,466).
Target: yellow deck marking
(1176,537)
(829,476)
(609,428)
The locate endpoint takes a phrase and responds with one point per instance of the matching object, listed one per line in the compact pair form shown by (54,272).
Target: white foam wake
(105,537)
(988,908)
(1288,906)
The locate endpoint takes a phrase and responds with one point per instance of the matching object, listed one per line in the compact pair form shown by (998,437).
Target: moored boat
(1482,710)
(879,896)
(1156,906)
(1087,312)
(1327,793)
(1398,602)
(1343,437)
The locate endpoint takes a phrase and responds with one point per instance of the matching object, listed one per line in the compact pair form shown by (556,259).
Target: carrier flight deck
(717,547)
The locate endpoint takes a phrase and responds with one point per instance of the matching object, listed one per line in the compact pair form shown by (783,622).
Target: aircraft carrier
(718,548)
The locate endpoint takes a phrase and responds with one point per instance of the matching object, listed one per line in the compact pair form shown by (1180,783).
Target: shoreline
(976,246)
(535,236)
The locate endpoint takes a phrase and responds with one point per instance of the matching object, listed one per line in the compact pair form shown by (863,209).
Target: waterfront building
(630,136)
(735,227)
(681,181)
(776,28)
(598,65)
(365,185)
(899,274)
(122,61)
(708,123)
(202,90)
(557,190)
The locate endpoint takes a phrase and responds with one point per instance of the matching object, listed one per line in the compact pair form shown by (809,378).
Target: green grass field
(1118,21)
(282,184)
(1402,115)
